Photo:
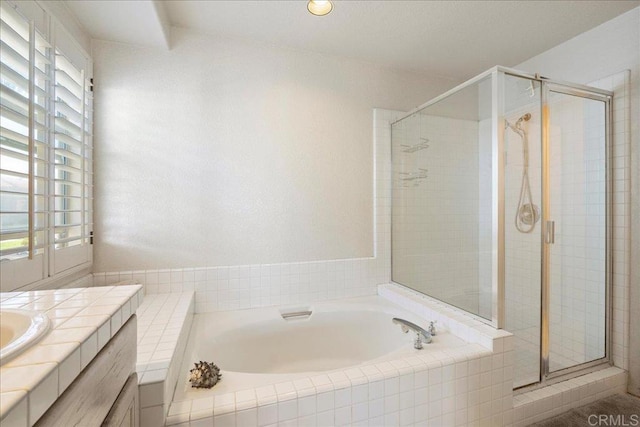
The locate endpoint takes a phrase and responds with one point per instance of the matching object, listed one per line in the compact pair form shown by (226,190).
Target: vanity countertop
(83,320)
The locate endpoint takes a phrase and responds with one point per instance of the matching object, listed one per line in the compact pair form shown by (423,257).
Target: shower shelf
(413,177)
(423,144)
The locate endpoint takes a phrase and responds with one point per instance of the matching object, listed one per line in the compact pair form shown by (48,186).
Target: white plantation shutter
(24,62)
(72,156)
(45,148)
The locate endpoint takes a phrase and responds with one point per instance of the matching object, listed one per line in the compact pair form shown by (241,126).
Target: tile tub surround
(464,385)
(528,406)
(83,322)
(164,322)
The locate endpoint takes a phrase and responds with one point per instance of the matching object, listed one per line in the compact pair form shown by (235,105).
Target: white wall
(221,152)
(601,52)
(61,11)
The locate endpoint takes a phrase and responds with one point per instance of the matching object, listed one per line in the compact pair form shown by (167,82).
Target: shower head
(525,117)
(517,127)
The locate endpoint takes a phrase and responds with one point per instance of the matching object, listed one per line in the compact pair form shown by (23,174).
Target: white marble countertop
(83,321)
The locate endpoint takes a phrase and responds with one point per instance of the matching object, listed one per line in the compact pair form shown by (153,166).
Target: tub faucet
(422,335)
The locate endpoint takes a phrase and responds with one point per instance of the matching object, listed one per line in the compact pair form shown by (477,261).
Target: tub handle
(295,314)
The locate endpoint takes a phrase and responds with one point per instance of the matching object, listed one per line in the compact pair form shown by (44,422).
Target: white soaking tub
(258,347)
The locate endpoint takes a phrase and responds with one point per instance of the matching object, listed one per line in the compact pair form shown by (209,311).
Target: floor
(624,408)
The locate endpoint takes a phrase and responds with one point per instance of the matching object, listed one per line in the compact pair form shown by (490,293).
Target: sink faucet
(422,335)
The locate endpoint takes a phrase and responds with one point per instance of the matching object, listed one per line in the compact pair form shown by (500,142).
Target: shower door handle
(550,232)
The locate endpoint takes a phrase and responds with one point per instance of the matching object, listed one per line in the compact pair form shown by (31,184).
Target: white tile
(391,386)
(152,417)
(306,406)
(225,420)
(42,397)
(308,421)
(360,393)
(126,311)
(84,321)
(245,395)
(153,376)
(151,394)
(376,390)
(42,354)
(247,418)
(68,370)
(325,418)
(24,377)
(182,407)
(376,408)
(406,382)
(392,419)
(420,413)
(267,414)
(342,397)
(391,403)
(88,349)
(325,401)
(342,416)
(360,411)
(407,417)
(13,405)
(224,402)
(287,410)
(303,384)
(61,336)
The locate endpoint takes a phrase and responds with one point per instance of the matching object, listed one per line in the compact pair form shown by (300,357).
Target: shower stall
(501,207)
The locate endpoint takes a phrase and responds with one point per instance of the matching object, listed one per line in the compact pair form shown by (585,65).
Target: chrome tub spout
(422,335)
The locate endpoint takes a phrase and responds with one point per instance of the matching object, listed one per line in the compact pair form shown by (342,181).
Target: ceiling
(453,39)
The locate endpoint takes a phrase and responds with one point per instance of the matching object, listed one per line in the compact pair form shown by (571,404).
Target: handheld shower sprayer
(527,214)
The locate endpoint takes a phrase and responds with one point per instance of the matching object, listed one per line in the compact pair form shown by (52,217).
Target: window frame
(53,261)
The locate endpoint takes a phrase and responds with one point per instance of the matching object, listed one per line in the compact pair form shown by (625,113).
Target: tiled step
(164,321)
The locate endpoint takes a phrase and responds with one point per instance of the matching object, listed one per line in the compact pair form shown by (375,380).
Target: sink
(19,329)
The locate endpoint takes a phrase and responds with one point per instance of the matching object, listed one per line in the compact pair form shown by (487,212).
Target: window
(45,148)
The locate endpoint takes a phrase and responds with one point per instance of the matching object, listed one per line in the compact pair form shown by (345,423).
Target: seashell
(204,375)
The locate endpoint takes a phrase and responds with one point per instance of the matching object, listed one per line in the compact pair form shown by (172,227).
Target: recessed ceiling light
(320,7)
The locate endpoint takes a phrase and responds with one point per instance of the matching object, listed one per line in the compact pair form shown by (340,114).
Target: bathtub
(259,347)
(346,364)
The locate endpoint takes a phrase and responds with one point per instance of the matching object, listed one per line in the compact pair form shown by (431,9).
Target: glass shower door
(575,231)
(522,231)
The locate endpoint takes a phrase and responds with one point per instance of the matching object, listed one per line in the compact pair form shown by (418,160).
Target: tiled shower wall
(245,286)
(578,256)
(620,84)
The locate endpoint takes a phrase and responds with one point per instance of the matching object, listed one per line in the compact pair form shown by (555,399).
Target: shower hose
(526,213)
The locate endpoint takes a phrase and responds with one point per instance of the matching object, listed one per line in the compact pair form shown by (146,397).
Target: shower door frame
(548,86)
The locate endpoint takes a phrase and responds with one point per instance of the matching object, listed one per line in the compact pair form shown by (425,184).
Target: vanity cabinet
(106,391)
(125,412)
